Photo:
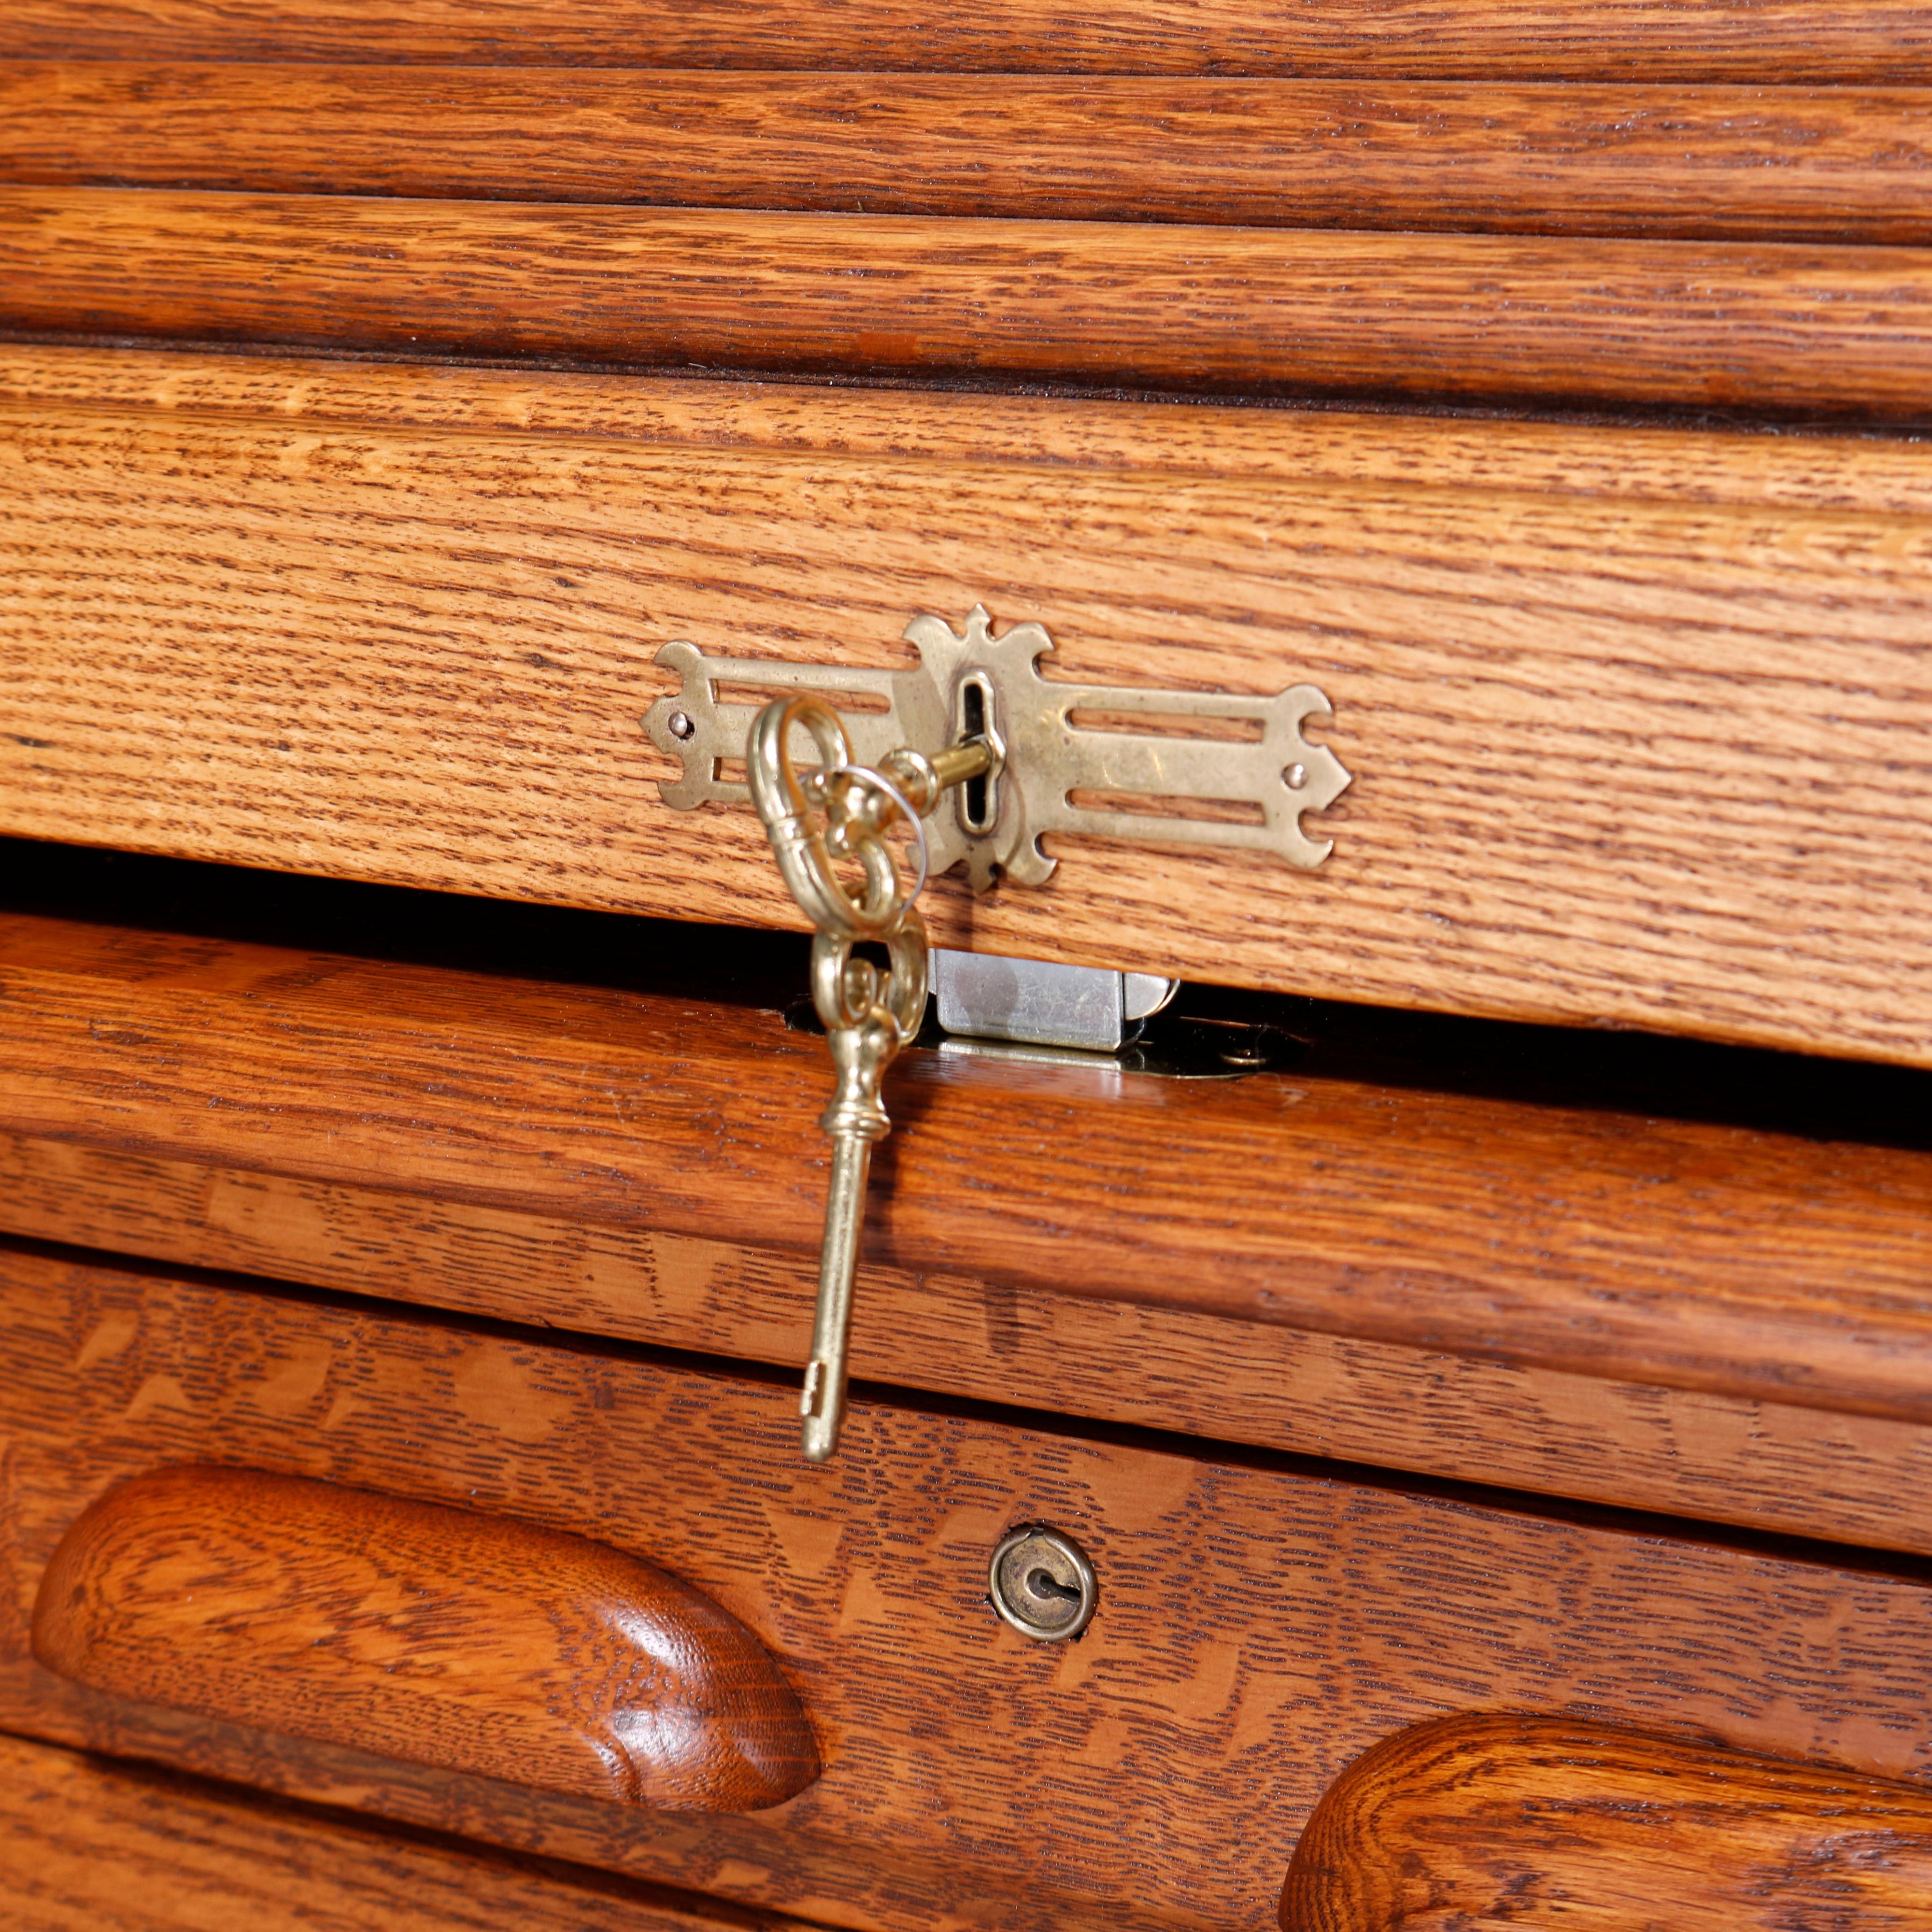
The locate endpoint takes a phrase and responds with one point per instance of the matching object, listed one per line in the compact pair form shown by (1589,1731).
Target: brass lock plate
(969,683)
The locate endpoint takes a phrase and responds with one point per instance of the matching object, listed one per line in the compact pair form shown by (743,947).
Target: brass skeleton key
(867,1015)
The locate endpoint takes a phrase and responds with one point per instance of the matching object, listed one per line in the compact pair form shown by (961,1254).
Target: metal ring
(797,845)
(874,776)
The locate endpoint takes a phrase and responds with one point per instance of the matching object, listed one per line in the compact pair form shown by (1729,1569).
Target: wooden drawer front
(1260,1625)
(1637,718)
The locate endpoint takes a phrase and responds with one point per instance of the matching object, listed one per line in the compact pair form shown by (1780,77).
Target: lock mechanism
(1118,762)
(1042,1583)
(974,758)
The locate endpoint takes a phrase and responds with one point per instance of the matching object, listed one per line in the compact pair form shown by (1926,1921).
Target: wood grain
(89,1845)
(1644,748)
(1735,164)
(1885,41)
(1756,1265)
(1788,327)
(1259,1627)
(1869,472)
(460,1641)
(1542,1821)
(1766,1466)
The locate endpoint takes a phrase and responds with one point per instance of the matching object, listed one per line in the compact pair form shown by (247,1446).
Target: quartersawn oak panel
(1259,1628)
(88,1845)
(452,1638)
(1885,41)
(1638,719)
(1757,1265)
(1547,1822)
(1784,326)
(1852,1479)
(1737,163)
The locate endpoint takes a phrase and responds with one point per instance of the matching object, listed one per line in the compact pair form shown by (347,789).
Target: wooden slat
(1762,1465)
(1756,1265)
(90,1845)
(1885,41)
(1639,720)
(1870,474)
(1258,1626)
(1741,164)
(1769,325)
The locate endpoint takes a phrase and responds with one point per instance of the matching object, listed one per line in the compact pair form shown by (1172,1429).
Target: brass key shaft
(861,1049)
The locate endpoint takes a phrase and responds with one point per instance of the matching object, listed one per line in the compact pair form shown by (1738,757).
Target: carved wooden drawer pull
(470,1642)
(1553,1822)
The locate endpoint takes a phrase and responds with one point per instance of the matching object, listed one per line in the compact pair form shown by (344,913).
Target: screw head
(682,726)
(1297,777)
(1042,1583)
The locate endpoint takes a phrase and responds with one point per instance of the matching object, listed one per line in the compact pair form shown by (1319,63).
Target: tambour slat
(1651,752)
(1879,474)
(1748,1263)
(1882,41)
(1719,1458)
(1769,325)
(1743,163)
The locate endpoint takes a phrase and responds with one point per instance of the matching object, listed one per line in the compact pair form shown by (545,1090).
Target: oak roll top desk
(1411,522)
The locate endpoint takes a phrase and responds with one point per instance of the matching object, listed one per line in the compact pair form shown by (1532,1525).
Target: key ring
(867,776)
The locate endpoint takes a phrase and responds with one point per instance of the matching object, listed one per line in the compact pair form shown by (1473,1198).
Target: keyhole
(979,798)
(1042,1585)
(1030,1596)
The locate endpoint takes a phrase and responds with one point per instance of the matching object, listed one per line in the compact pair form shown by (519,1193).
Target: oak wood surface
(1885,41)
(1258,1626)
(1542,1821)
(88,1844)
(1637,718)
(1736,164)
(1783,326)
(1766,1466)
(458,1640)
(1753,1265)
(1872,472)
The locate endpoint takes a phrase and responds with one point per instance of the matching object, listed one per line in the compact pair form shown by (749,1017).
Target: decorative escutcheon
(970,684)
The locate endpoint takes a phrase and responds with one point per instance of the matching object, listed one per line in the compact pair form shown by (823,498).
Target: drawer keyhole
(1041,1582)
(1041,1585)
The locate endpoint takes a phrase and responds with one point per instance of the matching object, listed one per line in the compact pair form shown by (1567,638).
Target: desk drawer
(1261,1621)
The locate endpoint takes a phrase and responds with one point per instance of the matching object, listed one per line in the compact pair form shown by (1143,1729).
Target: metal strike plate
(971,683)
(1039,1003)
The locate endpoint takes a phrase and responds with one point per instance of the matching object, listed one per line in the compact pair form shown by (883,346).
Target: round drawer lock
(1042,1583)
